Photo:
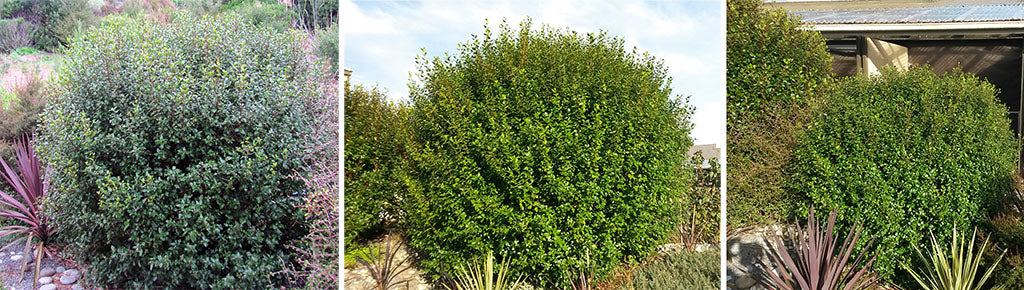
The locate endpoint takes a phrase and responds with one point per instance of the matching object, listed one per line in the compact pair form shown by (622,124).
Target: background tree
(774,72)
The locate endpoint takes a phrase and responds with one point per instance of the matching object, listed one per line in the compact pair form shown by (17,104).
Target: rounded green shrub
(542,145)
(774,71)
(907,153)
(173,152)
(376,163)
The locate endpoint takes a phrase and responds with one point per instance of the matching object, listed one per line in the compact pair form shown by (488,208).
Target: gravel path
(56,273)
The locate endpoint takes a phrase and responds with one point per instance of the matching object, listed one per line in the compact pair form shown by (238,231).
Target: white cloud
(709,123)
(357,22)
(682,65)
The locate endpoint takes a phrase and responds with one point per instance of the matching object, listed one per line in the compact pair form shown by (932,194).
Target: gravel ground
(9,269)
(358,277)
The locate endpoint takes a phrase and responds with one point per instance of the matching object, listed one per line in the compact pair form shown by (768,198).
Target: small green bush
(679,270)
(542,145)
(1007,230)
(68,19)
(266,14)
(200,7)
(774,70)
(158,10)
(1011,278)
(57,20)
(327,47)
(15,34)
(173,152)
(20,110)
(376,163)
(28,50)
(907,153)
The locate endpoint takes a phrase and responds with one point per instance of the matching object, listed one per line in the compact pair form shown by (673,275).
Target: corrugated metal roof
(947,14)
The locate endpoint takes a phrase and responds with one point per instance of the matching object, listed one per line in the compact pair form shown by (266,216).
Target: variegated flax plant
(956,270)
(819,264)
(474,276)
(30,190)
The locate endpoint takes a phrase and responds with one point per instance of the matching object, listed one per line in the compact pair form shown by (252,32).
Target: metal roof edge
(943,28)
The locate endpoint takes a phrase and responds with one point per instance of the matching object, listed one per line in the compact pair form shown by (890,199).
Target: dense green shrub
(1012,278)
(15,33)
(58,20)
(159,10)
(542,145)
(907,153)
(327,47)
(173,151)
(318,252)
(1007,230)
(10,8)
(679,270)
(266,14)
(376,162)
(200,7)
(774,71)
(68,19)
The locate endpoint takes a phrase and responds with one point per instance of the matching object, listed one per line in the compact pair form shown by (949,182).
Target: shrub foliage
(318,251)
(15,33)
(1011,278)
(774,71)
(907,153)
(541,145)
(266,14)
(20,115)
(173,149)
(327,46)
(57,20)
(376,162)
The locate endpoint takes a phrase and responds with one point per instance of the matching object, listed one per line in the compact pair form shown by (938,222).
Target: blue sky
(382,39)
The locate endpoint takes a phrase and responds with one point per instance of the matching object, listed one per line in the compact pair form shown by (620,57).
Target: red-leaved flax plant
(819,264)
(24,206)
